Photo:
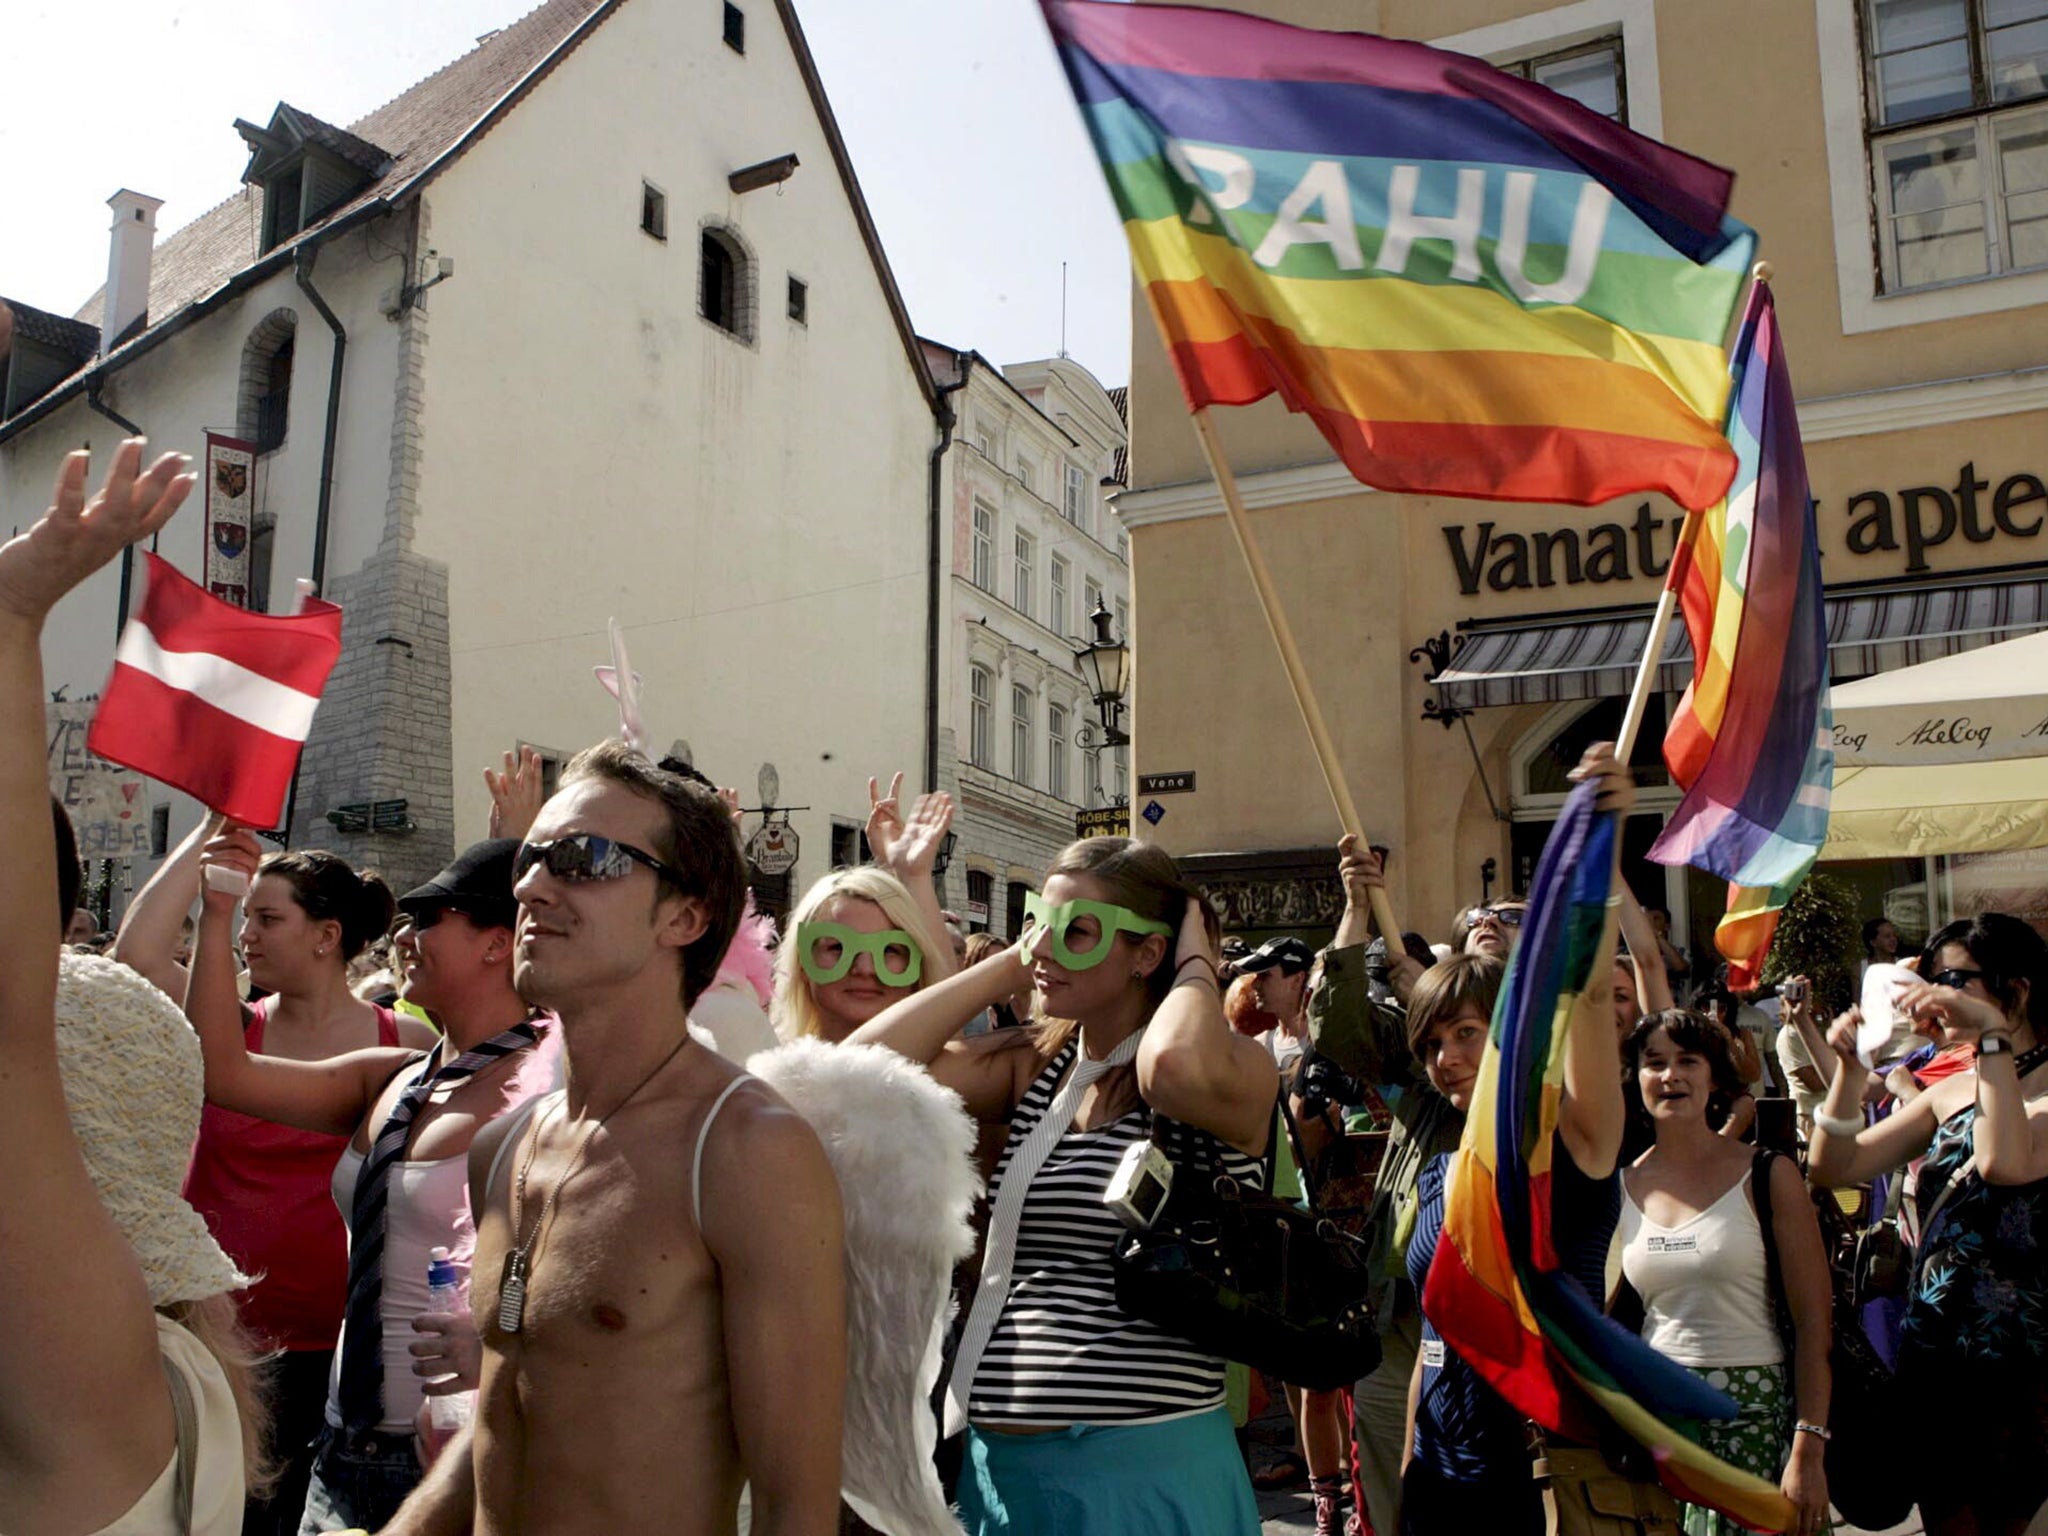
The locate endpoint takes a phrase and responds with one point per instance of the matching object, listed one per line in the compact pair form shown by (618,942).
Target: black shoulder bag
(1862,1458)
(1248,1276)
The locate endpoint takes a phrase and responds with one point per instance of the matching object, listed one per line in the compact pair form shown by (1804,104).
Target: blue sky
(961,129)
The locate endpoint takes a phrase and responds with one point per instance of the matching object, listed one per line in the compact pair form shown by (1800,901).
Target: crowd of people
(253,1144)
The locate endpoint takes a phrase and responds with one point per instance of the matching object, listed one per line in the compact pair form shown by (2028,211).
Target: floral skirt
(1758,1439)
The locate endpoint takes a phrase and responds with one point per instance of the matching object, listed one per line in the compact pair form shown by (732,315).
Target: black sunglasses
(582,857)
(1507,917)
(1959,979)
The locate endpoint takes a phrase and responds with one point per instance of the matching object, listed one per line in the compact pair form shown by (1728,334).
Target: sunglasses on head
(1083,932)
(827,952)
(1507,917)
(582,857)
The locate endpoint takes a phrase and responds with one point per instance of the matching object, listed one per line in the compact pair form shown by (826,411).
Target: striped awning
(1546,660)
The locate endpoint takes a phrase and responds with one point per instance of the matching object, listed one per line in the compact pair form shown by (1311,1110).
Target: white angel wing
(903,1149)
(623,683)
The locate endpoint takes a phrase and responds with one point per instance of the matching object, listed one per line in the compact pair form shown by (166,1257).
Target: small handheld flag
(1752,742)
(1473,285)
(213,699)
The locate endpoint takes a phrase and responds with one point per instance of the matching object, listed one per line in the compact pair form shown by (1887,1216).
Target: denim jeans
(358,1484)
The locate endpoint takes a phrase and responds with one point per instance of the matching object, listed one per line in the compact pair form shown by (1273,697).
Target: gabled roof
(289,128)
(72,337)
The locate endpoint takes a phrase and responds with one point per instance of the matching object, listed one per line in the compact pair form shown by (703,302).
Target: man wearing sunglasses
(1493,929)
(659,1275)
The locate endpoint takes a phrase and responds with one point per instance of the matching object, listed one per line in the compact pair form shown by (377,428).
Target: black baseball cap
(1289,953)
(477,883)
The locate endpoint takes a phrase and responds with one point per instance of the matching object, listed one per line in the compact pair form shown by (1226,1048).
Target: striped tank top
(1063,1352)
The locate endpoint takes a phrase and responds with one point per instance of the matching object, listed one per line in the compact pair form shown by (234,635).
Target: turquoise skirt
(1184,1477)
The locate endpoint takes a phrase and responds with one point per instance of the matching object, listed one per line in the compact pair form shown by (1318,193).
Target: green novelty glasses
(1082,931)
(828,950)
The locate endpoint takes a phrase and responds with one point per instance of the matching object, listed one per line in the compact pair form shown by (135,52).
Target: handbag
(1248,1276)
(1861,1459)
(1585,1495)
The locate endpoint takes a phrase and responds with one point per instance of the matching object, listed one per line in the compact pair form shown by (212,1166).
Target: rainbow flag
(1473,285)
(1496,1290)
(1752,742)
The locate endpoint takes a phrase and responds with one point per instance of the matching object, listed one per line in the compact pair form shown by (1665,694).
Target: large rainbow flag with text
(1497,1291)
(1473,285)
(1752,742)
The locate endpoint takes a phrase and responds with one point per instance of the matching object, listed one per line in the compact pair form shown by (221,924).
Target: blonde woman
(863,937)
(125,1396)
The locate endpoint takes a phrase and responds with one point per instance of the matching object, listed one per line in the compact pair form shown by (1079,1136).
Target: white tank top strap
(703,1134)
(521,1119)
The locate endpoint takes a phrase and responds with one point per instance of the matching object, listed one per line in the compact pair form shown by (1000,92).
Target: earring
(1136,974)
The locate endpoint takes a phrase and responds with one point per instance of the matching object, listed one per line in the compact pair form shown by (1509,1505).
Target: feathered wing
(903,1150)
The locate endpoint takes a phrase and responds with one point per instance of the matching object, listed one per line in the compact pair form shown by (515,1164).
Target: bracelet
(1837,1125)
(1819,1432)
(1198,960)
(1196,980)
(1615,900)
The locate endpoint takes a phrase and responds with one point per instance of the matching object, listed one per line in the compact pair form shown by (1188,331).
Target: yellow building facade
(1894,160)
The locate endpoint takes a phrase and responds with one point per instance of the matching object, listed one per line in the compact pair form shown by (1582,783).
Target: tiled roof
(1120,397)
(413,129)
(70,337)
(1120,466)
(360,153)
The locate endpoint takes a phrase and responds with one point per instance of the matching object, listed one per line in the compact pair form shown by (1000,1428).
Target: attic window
(725,283)
(799,301)
(653,210)
(283,199)
(735,28)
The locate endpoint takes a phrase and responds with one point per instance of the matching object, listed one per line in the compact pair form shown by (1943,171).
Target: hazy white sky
(960,125)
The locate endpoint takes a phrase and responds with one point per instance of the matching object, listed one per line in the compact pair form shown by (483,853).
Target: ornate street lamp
(1105,665)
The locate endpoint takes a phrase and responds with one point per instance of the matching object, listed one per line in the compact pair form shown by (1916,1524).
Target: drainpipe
(934,552)
(92,399)
(302,271)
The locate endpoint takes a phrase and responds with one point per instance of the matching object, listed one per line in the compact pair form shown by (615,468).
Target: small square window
(653,210)
(799,301)
(735,28)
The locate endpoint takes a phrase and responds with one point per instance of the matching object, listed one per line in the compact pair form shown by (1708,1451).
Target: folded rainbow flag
(1496,1290)
(1473,285)
(1752,742)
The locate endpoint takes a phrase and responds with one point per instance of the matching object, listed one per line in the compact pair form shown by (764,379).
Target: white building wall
(753,514)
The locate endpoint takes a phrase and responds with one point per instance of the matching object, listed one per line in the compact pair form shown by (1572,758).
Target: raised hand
(77,536)
(907,849)
(1955,1011)
(730,799)
(1616,784)
(515,793)
(1842,1036)
(1358,867)
(232,848)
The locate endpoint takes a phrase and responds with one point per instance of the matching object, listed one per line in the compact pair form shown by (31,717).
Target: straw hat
(135,1081)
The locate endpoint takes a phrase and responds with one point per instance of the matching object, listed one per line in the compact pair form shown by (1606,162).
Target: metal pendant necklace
(519,1262)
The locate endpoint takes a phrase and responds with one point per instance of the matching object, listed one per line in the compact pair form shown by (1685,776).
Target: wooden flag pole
(1290,658)
(1667,604)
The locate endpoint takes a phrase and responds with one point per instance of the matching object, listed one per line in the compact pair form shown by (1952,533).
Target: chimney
(128,251)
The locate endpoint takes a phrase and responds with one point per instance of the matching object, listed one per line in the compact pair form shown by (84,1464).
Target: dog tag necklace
(519,1262)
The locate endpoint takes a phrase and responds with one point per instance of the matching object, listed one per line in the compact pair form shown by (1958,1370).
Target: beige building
(592,323)
(1894,159)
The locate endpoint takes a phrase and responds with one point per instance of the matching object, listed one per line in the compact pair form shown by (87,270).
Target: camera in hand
(1138,1189)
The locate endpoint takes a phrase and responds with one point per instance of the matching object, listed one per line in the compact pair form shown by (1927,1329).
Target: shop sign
(1103,821)
(773,848)
(1182,783)
(977,912)
(1909,521)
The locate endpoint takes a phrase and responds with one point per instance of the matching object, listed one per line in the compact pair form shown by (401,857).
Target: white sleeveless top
(423,1202)
(215,1449)
(1706,1297)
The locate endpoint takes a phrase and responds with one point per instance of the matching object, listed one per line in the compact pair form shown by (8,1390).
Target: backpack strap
(1774,1275)
(186,1415)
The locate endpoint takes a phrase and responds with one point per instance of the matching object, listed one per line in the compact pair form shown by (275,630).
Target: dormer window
(306,168)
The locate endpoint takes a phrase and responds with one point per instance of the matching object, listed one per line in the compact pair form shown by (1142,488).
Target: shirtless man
(682,1329)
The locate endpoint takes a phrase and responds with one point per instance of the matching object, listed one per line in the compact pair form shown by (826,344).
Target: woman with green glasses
(865,936)
(1081,1419)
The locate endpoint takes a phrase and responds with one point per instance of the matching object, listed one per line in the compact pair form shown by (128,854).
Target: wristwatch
(1994,1045)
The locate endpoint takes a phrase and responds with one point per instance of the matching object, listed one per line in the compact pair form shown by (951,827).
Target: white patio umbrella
(1950,756)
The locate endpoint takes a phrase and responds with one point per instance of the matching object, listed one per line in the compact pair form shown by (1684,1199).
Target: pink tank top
(264,1189)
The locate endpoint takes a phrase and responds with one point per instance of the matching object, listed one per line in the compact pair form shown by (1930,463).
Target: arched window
(725,282)
(264,407)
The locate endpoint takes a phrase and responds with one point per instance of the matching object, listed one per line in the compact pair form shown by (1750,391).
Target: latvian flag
(213,699)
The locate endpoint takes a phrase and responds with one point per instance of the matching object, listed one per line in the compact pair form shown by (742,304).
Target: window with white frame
(983,570)
(1077,494)
(1020,733)
(1025,558)
(1589,73)
(981,700)
(1958,127)
(1123,621)
(1056,751)
(1024,472)
(1123,547)
(1123,774)
(1056,613)
(1091,598)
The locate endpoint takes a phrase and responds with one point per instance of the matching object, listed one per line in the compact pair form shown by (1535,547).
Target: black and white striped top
(1062,1351)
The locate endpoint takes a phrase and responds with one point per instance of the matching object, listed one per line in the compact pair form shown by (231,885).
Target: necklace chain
(519,1261)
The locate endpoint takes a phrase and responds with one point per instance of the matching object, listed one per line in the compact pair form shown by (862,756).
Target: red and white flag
(213,699)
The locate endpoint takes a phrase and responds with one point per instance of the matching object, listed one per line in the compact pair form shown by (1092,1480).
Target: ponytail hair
(328,890)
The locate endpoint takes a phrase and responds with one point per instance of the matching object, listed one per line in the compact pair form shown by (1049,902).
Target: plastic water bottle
(444,1294)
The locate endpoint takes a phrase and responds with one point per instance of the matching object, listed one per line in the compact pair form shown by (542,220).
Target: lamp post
(1105,664)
